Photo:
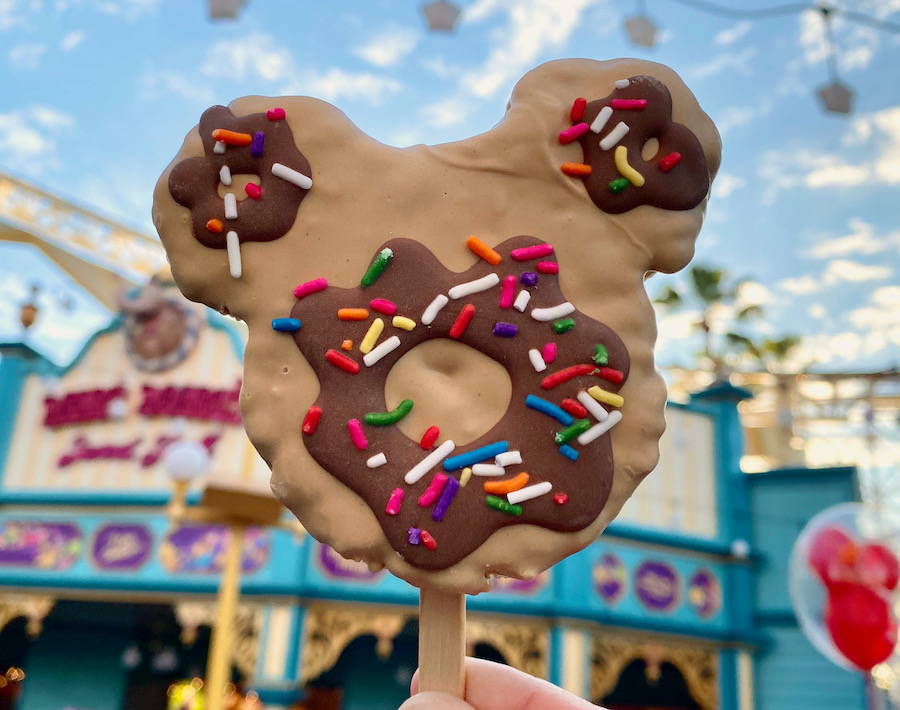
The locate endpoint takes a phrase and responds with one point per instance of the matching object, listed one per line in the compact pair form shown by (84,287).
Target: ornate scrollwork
(247,622)
(329,630)
(698,666)
(523,645)
(33,608)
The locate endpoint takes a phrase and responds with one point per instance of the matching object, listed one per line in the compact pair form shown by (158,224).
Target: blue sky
(96,96)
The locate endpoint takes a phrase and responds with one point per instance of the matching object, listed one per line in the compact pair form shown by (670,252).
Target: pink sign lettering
(83,450)
(80,407)
(193,403)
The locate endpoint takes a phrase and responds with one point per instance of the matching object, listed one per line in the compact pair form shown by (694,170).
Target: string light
(225,9)
(835,96)
(640,28)
(441,15)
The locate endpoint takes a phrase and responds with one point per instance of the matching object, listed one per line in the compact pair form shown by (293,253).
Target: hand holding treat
(492,686)
(450,361)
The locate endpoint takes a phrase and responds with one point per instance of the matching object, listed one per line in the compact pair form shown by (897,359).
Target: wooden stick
(442,641)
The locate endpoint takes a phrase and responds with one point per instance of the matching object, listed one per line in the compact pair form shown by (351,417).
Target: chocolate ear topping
(251,145)
(675,177)
(432,511)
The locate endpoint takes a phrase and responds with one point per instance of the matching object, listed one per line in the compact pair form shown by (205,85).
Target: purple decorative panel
(200,549)
(334,566)
(705,593)
(121,548)
(507,585)
(40,545)
(610,579)
(657,586)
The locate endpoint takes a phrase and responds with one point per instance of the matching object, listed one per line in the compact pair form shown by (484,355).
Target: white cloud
(124,191)
(846,346)
(28,138)
(675,326)
(856,43)
(741,62)
(72,40)
(26,56)
(259,57)
(800,285)
(736,116)
(861,240)
(129,10)
(882,311)
(51,118)
(817,311)
(877,135)
(407,136)
(158,83)
(854,272)
(9,15)
(446,112)
(732,34)
(254,56)
(753,293)
(534,27)
(335,83)
(726,183)
(835,272)
(440,68)
(390,46)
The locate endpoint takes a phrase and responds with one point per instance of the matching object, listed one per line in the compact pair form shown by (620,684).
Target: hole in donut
(238,185)
(650,149)
(454,387)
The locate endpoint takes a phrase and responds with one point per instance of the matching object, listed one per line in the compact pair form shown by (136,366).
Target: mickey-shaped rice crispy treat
(450,357)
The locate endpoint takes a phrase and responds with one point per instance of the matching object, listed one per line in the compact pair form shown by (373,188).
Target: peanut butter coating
(504,182)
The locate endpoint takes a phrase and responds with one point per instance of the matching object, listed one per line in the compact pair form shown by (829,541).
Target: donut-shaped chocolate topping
(555,468)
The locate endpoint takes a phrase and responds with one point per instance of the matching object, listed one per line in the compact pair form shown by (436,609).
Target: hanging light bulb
(441,15)
(225,9)
(29,311)
(640,28)
(836,97)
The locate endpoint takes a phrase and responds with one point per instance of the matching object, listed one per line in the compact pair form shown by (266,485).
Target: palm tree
(709,288)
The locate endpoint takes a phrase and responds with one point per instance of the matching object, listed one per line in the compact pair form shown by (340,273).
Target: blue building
(104,604)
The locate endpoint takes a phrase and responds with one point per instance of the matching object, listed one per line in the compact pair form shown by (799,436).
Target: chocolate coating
(194,182)
(411,281)
(682,188)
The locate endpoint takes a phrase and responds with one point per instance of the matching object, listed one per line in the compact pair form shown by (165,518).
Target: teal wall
(82,668)
(370,682)
(790,673)
(79,666)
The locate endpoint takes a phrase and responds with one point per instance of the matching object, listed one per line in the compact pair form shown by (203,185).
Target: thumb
(435,701)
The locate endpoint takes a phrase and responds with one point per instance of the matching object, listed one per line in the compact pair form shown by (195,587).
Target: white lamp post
(235,504)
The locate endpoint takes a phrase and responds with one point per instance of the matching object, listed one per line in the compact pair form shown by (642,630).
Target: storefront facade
(105,602)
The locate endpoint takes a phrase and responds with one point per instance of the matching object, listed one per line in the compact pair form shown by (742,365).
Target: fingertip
(430,700)
(414,683)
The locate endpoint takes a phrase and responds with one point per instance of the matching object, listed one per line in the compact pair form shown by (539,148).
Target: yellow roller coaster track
(97,252)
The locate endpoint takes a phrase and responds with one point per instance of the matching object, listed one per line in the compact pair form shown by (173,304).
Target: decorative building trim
(523,644)
(328,630)
(33,608)
(610,654)
(247,623)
